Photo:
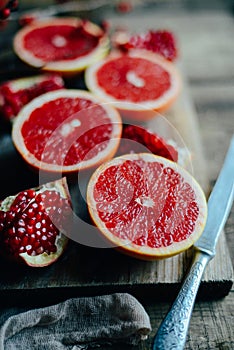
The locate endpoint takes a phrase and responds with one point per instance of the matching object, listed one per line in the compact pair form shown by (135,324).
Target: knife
(173,330)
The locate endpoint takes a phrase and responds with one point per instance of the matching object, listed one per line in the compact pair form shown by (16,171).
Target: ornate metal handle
(172,332)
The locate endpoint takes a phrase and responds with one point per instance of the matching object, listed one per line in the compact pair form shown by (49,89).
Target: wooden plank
(86,271)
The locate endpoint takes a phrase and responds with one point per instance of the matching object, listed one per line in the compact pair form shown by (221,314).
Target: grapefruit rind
(101,157)
(130,110)
(127,246)
(61,66)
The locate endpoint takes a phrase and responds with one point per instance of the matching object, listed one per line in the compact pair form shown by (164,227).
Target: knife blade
(173,330)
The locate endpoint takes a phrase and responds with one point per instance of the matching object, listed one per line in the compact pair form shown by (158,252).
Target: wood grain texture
(206,41)
(86,271)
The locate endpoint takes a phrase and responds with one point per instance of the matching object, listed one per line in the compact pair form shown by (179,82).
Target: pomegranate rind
(45,259)
(38,102)
(61,66)
(127,246)
(145,110)
(61,242)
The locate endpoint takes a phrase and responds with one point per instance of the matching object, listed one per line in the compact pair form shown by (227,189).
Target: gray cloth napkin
(77,323)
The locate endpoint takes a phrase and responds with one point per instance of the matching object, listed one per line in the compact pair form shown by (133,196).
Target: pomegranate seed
(11,231)
(124,6)
(39,250)
(21,222)
(5,13)
(21,231)
(38,233)
(30,229)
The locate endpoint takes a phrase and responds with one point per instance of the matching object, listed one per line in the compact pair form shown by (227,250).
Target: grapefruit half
(138,83)
(66,131)
(64,45)
(147,206)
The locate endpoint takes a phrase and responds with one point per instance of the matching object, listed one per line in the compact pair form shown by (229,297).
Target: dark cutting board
(87,271)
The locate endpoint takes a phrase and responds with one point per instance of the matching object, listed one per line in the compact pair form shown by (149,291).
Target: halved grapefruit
(64,45)
(147,206)
(138,83)
(66,131)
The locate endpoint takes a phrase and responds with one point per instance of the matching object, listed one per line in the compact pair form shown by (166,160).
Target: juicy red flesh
(113,77)
(136,139)
(60,42)
(159,41)
(13,101)
(52,135)
(29,224)
(147,203)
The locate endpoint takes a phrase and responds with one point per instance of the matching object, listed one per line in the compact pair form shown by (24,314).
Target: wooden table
(206,41)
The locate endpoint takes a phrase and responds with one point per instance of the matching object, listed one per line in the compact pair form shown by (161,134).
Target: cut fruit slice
(64,45)
(34,222)
(15,94)
(162,42)
(137,139)
(138,83)
(146,206)
(66,131)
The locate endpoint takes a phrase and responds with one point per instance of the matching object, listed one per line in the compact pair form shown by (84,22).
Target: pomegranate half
(33,224)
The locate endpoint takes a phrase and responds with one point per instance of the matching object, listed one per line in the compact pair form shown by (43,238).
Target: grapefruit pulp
(146,206)
(66,131)
(138,83)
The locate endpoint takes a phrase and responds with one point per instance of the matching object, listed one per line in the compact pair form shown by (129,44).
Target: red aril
(15,94)
(33,224)
(146,206)
(64,45)
(66,131)
(138,83)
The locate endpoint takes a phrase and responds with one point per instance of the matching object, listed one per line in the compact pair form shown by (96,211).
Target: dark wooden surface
(206,41)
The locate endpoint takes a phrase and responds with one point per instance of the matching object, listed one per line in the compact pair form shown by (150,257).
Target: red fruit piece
(124,6)
(137,139)
(162,42)
(17,93)
(32,222)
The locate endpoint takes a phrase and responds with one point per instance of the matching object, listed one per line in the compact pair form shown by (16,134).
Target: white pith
(128,245)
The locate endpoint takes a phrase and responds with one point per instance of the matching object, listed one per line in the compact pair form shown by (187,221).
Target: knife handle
(173,330)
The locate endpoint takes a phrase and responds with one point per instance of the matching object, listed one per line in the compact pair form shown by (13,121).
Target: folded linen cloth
(77,323)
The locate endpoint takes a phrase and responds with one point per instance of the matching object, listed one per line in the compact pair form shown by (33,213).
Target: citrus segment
(67,130)
(137,82)
(61,44)
(146,205)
